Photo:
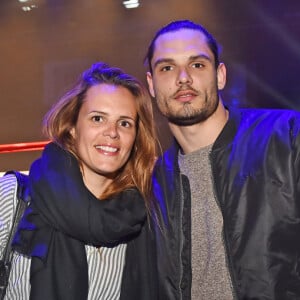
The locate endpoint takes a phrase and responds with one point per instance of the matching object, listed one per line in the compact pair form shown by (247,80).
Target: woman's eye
(124,123)
(97,118)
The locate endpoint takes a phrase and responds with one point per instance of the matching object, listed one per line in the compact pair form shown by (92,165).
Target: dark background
(44,49)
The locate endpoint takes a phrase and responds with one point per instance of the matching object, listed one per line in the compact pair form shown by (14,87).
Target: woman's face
(105,131)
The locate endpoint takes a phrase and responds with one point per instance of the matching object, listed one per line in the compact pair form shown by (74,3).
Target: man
(228,190)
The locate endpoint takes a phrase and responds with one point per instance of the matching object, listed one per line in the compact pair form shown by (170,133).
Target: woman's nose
(111,130)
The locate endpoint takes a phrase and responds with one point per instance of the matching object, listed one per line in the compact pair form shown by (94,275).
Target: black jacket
(256,168)
(139,280)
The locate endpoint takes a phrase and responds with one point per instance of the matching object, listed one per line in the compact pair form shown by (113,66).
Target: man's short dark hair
(175,26)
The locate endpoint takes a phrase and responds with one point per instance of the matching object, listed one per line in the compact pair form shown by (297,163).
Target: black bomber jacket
(256,168)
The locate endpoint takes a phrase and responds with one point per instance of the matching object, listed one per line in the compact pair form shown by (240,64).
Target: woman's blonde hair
(62,117)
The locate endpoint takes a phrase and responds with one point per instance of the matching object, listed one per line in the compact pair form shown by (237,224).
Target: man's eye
(166,68)
(97,118)
(197,65)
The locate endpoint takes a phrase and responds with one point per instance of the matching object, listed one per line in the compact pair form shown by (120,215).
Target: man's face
(185,81)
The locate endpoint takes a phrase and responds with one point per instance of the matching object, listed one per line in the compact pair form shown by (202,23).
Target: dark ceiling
(44,49)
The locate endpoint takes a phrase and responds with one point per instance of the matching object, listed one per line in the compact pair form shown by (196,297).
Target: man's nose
(184,77)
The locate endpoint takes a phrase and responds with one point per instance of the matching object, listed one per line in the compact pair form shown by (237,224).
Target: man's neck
(194,137)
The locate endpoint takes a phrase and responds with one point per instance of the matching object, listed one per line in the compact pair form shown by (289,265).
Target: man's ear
(150,84)
(221,76)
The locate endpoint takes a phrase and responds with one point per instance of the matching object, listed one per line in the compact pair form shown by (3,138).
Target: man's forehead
(184,35)
(181,41)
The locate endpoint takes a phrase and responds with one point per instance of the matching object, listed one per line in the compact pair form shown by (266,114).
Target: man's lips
(186,95)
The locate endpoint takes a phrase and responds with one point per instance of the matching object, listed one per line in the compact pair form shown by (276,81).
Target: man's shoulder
(168,156)
(166,165)
(274,117)
(270,121)
(269,112)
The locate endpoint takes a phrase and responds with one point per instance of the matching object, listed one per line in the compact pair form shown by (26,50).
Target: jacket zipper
(181,235)
(228,258)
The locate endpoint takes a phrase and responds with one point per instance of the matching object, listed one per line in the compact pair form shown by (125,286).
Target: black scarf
(62,218)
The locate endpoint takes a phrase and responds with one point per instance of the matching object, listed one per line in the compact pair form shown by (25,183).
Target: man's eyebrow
(163,61)
(191,58)
(199,56)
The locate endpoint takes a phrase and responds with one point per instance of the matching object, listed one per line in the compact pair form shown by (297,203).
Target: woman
(87,193)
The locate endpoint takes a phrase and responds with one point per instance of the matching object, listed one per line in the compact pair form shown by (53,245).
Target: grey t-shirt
(210,276)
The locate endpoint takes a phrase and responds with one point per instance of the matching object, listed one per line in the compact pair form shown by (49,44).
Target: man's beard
(193,116)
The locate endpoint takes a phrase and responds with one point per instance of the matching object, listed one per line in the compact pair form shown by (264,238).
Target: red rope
(20,147)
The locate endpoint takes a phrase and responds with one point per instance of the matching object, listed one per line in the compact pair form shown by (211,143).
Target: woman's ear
(73,132)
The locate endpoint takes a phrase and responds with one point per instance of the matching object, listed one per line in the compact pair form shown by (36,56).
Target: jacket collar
(225,137)
(229,131)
